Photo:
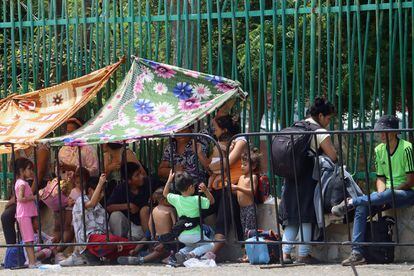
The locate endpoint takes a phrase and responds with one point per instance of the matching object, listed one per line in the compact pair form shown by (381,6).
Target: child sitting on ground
(161,221)
(26,210)
(95,227)
(187,206)
(243,189)
(75,193)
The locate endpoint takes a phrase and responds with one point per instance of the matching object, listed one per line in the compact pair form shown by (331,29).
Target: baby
(215,177)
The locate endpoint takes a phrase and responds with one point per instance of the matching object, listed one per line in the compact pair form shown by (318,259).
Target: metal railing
(227,191)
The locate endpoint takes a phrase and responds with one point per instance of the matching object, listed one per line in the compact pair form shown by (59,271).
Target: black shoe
(129,260)
(354,259)
(309,260)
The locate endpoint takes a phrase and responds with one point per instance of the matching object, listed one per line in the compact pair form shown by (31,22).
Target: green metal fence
(285,53)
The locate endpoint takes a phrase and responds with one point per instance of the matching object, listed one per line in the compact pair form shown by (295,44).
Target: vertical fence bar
(83,192)
(312,51)
(13,160)
(364,148)
(392,182)
(318,166)
(101,162)
(197,190)
(297,188)
(252,188)
(59,194)
(153,233)
(36,183)
(342,173)
(124,163)
(272,169)
(13,50)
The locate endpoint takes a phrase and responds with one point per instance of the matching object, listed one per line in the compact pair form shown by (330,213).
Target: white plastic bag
(193,262)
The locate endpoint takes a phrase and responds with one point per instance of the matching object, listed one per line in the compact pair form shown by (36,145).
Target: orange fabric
(235,173)
(28,117)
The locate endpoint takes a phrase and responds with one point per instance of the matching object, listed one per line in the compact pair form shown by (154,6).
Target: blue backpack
(14,257)
(257,253)
(262,253)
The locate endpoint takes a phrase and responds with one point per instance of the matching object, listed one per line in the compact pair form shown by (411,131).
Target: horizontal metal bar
(347,243)
(100,243)
(225,15)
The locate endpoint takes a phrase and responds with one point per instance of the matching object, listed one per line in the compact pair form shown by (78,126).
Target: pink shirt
(25,209)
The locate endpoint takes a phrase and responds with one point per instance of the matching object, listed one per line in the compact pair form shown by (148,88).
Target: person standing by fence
(294,217)
(26,211)
(43,175)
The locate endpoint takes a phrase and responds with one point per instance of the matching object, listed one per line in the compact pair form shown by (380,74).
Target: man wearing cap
(401,179)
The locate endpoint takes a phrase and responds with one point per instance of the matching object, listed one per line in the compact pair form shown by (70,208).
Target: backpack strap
(308,126)
(184,223)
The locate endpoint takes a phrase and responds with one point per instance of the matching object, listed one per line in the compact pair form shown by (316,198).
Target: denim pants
(403,198)
(191,245)
(290,234)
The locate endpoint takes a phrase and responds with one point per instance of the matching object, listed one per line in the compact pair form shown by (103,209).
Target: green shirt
(188,206)
(401,163)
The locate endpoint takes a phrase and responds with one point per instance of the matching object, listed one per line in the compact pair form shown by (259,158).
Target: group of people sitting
(116,205)
(126,203)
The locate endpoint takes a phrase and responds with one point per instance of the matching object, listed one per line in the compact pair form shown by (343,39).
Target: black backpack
(382,230)
(282,148)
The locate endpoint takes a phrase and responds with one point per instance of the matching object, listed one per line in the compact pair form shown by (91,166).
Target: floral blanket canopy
(153,99)
(28,117)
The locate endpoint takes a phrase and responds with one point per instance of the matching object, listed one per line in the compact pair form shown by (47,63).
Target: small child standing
(187,206)
(243,189)
(26,210)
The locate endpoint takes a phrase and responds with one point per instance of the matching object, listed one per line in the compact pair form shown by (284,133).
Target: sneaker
(181,257)
(340,209)
(288,259)
(309,260)
(59,257)
(36,265)
(129,260)
(75,260)
(354,259)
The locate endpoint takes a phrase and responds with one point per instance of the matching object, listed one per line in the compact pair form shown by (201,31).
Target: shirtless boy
(243,189)
(163,217)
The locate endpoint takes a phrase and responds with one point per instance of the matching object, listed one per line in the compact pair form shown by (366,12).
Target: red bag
(263,189)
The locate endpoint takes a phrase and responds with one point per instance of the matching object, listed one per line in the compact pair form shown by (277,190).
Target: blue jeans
(403,198)
(191,245)
(290,234)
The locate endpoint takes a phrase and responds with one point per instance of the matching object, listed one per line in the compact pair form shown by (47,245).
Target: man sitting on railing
(398,181)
